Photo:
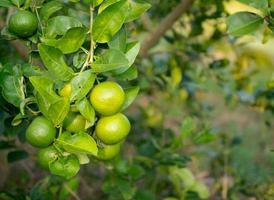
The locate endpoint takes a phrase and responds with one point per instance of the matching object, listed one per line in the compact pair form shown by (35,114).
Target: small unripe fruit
(23,23)
(112,129)
(107,98)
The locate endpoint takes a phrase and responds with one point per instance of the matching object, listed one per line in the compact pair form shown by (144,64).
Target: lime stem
(90,55)
(60,131)
(39,21)
(58,149)
(91,36)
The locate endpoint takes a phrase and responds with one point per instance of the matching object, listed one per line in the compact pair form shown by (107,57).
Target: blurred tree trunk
(164,26)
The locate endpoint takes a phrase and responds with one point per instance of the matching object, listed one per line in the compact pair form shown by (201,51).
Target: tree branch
(164,26)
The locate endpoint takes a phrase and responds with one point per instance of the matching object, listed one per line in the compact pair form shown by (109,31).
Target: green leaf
(54,107)
(58,110)
(106,4)
(96,2)
(131,94)
(78,143)
(66,167)
(43,105)
(204,137)
(111,60)
(181,175)
(109,22)
(136,172)
(17,3)
(119,40)
(187,127)
(60,25)
(79,59)
(81,85)
(54,61)
(83,158)
(49,9)
(86,110)
(12,88)
(17,120)
(132,51)
(130,74)
(201,189)
(260,4)
(136,9)
(7,35)
(125,188)
(72,40)
(5,3)
(243,23)
(17,155)
(31,70)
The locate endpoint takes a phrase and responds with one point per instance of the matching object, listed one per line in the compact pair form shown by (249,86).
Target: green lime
(46,155)
(23,23)
(74,122)
(107,98)
(112,129)
(108,152)
(40,133)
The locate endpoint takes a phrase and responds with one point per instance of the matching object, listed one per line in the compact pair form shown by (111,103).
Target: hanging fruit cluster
(75,102)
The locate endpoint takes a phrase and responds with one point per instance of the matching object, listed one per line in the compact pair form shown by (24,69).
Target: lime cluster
(109,130)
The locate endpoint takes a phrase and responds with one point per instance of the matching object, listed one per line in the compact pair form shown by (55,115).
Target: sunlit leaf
(119,40)
(49,9)
(81,85)
(243,23)
(111,60)
(54,61)
(72,40)
(109,22)
(136,8)
(59,25)
(78,143)
(131,94)
(85,108)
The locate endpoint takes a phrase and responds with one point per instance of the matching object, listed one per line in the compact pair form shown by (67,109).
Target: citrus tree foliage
(78,53)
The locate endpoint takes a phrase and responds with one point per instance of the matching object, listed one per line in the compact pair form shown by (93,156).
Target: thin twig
(72,192)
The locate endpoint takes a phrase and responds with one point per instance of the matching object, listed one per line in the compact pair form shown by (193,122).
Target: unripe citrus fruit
(23,23)
(74,122)
(65,91)
(40,133)
(46,155)
(108,152)
(112,129)
(107,98)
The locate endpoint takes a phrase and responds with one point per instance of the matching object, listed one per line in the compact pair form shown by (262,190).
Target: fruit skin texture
(112,129)
(108,152)
(66,91)
(74,122)
(46,155)
(107,98)
(23,23)
(40,133)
